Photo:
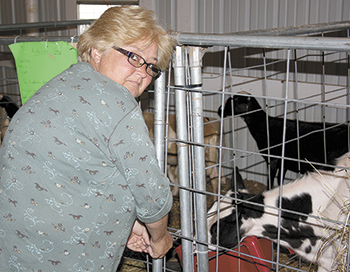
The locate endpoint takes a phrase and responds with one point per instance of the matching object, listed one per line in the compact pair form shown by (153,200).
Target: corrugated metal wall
(13,11)
(224,16)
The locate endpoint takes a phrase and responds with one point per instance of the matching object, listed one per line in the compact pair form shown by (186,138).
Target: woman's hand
(160,247)
(161,240)
(138,240)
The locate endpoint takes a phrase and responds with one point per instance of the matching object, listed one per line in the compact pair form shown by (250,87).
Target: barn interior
(291,57)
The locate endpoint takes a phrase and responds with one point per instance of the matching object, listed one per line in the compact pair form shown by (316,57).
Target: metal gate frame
(277,38)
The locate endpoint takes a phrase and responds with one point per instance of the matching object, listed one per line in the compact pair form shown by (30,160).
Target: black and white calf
(307,205)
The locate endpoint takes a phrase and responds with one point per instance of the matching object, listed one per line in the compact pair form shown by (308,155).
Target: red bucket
(231,261)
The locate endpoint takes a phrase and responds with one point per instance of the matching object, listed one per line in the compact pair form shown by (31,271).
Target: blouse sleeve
(134,154)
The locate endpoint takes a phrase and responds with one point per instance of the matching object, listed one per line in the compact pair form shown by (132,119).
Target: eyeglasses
(138,61)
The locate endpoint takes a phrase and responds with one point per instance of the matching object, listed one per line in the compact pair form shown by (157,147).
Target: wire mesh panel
(271,130)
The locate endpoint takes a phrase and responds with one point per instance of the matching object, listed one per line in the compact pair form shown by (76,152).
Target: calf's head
(227,231)
(226,215)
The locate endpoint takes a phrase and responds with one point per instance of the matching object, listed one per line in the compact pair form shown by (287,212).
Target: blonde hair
(125,25)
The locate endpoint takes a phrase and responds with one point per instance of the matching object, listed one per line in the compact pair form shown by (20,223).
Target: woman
(78,170)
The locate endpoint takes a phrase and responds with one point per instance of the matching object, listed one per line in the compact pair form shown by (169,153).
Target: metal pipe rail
(298,30)
(51,24)
(269,38)
(207,40)
(9,40)
(6,40)
(285,42)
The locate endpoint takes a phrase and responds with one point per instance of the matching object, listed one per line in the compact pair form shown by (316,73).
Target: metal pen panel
(159,121)
(183,161)
(195,58)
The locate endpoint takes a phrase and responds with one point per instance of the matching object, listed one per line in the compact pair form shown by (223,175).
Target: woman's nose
(142,70)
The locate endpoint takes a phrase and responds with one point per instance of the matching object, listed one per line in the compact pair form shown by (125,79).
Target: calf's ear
(237,183)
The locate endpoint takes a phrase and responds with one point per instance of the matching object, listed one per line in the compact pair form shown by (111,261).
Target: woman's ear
(95,55)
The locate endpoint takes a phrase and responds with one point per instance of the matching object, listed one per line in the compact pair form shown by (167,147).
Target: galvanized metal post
(159,121)
(182,154)
(195,54)
(32,14)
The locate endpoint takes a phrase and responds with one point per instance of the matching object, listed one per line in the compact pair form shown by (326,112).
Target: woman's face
(115,66)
